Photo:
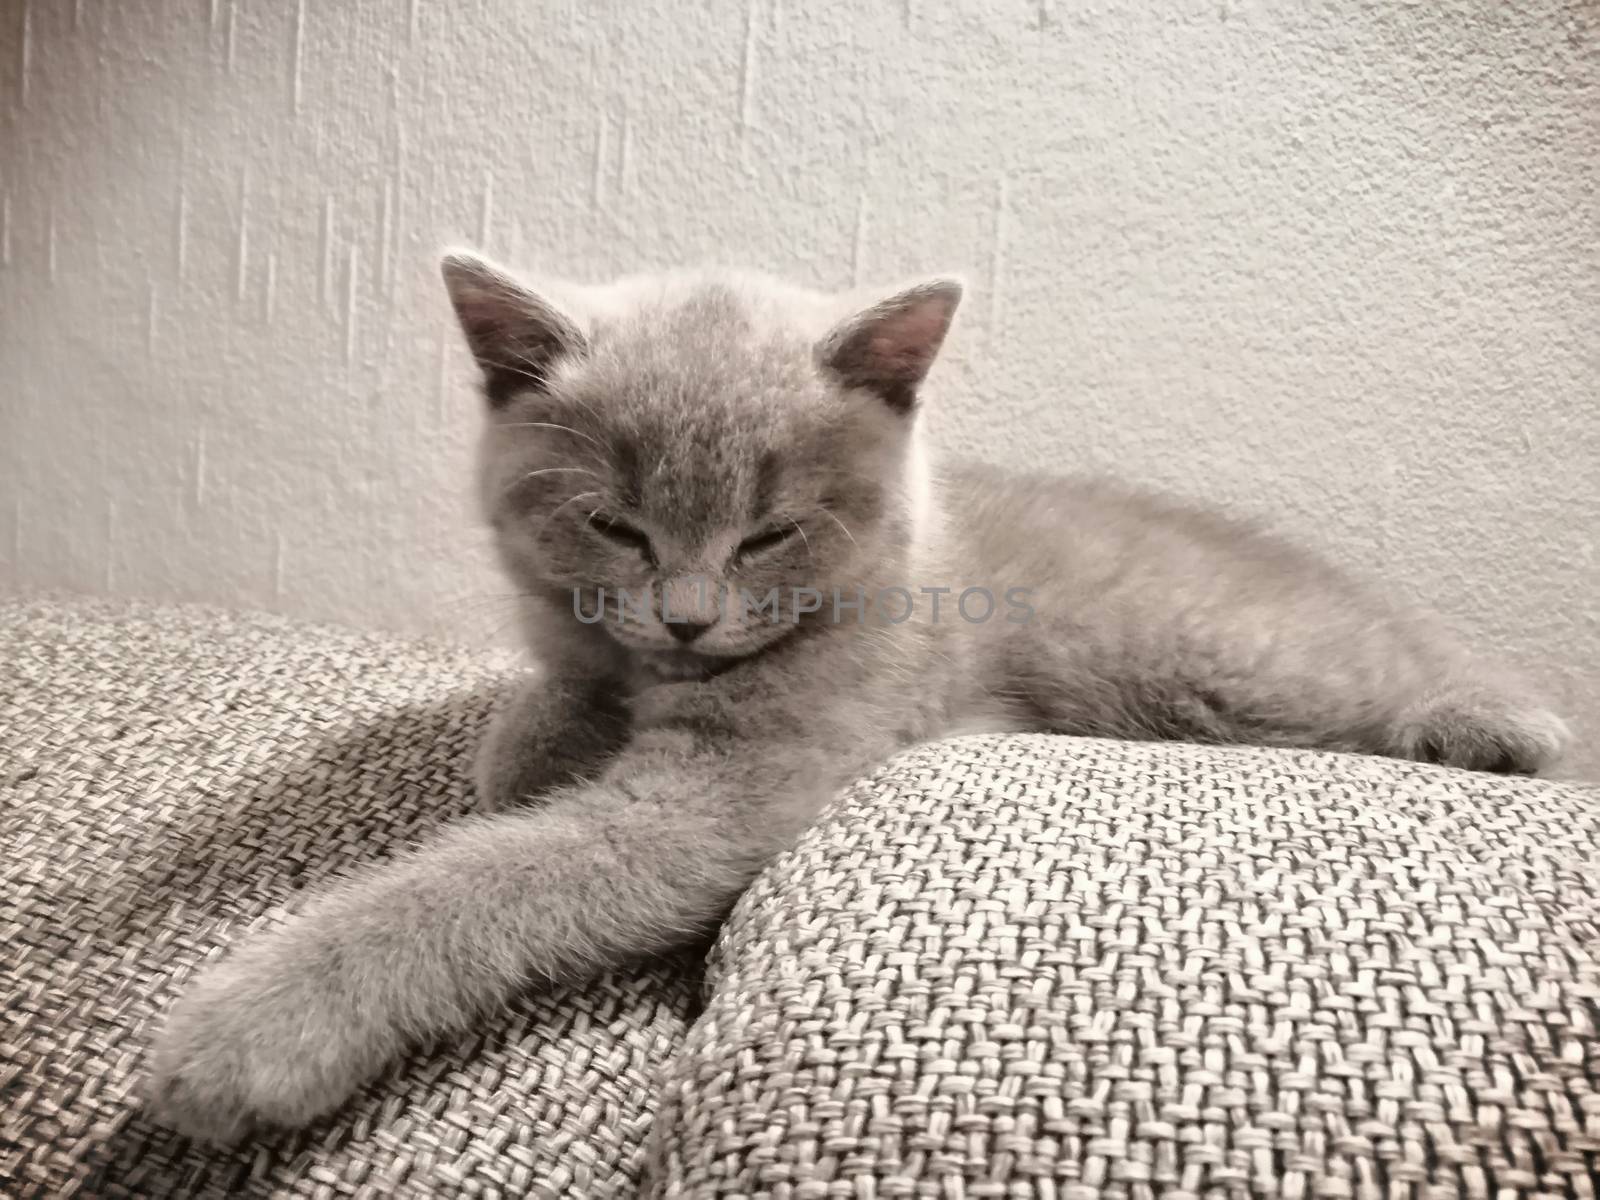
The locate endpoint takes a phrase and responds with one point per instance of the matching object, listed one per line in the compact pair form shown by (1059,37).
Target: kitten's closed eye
(765,540)
(623,534)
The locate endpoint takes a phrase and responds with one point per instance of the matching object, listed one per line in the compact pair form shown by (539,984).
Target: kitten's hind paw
(1482,730)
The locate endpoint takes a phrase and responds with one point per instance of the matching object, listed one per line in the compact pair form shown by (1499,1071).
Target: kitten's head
(697,440)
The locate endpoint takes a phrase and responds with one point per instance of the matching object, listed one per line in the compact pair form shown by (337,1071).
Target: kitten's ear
(889,347)
(516,335)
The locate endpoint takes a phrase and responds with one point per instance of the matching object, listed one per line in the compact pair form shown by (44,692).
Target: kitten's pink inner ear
(889,348)
(907,344)
(514,334)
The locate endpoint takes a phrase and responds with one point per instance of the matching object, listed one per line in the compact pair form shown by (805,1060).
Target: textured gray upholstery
(1002,967)
(1036,966)
(168,777)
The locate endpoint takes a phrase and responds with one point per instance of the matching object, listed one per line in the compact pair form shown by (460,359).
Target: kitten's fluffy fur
(644,432)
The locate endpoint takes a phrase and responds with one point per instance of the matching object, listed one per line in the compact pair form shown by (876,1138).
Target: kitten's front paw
(546,734)
(258,1040)
(1480,730)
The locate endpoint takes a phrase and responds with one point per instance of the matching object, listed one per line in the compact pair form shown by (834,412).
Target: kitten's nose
(687,631)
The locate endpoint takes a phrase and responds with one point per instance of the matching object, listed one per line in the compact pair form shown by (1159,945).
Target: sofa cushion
(169,777)
(1035,966)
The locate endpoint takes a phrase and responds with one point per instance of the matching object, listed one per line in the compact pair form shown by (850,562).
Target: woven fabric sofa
(1002,967)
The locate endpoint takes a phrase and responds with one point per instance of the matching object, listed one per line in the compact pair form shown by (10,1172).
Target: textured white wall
(1333,263)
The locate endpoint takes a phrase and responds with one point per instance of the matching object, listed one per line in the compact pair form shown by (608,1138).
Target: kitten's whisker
(552,516)
(537,378)
(493,636)
(487,617)
(585,405)
(514,368)
(550,425)
(828,513)
(802,534)
(522,479)
(582,403)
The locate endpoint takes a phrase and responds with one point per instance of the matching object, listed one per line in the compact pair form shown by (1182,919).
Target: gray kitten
(730,543)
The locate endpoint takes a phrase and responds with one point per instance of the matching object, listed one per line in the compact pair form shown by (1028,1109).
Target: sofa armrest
(1037,966)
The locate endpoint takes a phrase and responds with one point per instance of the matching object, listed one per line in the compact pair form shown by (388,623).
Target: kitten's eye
(752,546)
(623,534)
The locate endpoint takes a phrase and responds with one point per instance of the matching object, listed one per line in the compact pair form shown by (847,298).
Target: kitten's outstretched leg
(549,732)
(1490,726)
(646,858)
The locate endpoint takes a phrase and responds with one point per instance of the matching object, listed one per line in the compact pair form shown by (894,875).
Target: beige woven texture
(169,777)
(1006,967)
(1040,967)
